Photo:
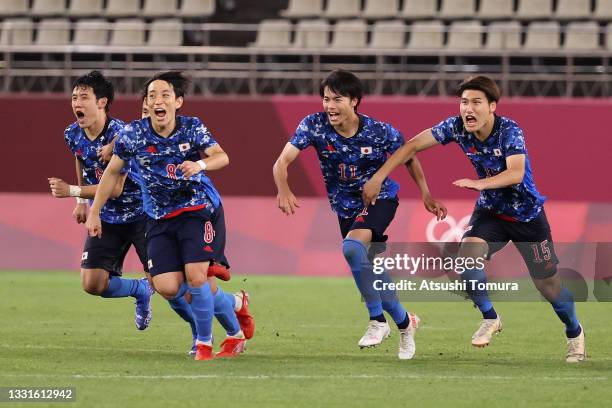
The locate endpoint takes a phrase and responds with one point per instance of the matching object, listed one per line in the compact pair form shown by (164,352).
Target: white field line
(302,377)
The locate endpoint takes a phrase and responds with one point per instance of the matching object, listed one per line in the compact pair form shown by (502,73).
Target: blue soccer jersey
(347,163)
(521,202)
(164,190)
(128,206)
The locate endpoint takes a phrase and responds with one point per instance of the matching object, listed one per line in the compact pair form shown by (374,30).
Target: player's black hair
(175,78)
(481,83)
(102,87)
(344,83)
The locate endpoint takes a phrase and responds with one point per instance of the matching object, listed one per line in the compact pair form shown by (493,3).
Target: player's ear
(179,102)
(493,106)
(102,102)
(353,103)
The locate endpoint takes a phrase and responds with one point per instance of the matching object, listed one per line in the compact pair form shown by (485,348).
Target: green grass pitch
(304,353)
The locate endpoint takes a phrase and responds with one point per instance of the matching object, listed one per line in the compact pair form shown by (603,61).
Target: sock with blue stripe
(224,312)
(479,297)
(120,287)
(202,306)
(565,308)
(356,254)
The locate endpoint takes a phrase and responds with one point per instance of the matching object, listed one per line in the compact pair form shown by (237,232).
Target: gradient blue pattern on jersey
(521,201)
(163,187)
(347,163)
(128,206)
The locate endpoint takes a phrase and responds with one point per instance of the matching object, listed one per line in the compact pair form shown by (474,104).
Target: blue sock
(356,255)
(564,308)
(391,304)
(202,306)
(183,309)
(479,297)
(224,312)
(119,287)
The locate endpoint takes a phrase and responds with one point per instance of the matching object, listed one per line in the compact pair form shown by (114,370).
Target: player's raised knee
(352,249)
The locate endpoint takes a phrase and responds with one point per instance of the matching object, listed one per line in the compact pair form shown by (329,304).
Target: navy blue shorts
(533,239)
(375,218)
(193,236)
(109,251)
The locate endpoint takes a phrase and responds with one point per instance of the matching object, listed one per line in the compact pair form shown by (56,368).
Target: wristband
(80,200)
(202,164)
(74,191)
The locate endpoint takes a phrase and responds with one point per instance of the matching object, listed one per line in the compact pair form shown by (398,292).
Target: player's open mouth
(160,113)
(470,120)
(80,114)
(333,115)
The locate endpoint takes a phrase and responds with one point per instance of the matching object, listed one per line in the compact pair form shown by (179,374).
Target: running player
(509,207)
(351,147)
(122,216)
(186,229)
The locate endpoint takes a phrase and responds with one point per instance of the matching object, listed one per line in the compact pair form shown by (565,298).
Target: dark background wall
(569,142)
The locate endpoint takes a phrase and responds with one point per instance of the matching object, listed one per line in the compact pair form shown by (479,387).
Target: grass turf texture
(304,352)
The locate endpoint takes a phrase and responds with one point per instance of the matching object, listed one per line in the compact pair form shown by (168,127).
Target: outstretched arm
(109,180)
(285,198)
(422,141)
(514,173)
(416,172)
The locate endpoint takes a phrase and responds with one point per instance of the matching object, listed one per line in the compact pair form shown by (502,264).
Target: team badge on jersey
(366,150)
(497,152)
(184,146)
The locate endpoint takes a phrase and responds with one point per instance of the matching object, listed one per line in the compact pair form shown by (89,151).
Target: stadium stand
(452,9)
(496,9)
(342,9)
(377,9)
(165,33)
(350,34)
(197,8)
(465,35)
(17,31)
(53,32)
(128,32)
(418,9)
(122,8)
(85,8)
(534,9)
(543,36)
(14,8)
(504,35)
(91,32)
(303,9)
(312,34)
(388,35)
(47,8)
(273,34)
(159,8)
(301,35)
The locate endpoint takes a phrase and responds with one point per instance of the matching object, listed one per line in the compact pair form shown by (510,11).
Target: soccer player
(122,216)
(351,147)
(183,306)
(509,207)
(186,227)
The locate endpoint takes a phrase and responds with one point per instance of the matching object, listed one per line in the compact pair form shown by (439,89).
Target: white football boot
(488,327)
(375,334)
(407,347)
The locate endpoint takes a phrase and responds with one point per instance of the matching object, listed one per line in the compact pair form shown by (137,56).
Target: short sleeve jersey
(521,202)
(128,206)
(347,163)
(164,189)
